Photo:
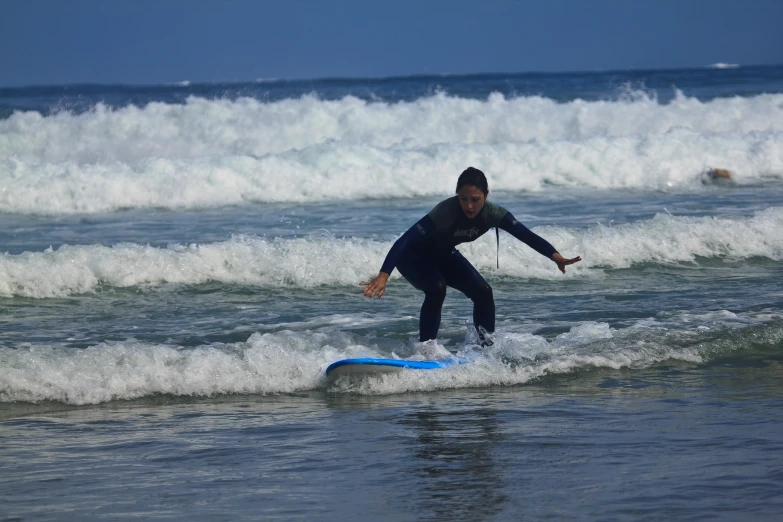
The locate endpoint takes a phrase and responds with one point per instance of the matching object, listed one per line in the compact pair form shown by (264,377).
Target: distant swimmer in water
(426,255)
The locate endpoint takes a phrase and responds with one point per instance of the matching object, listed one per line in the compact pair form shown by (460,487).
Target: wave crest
(288,361)
(209,153)
(319,261)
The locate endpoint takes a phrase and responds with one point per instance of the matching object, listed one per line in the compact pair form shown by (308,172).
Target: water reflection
(455,469)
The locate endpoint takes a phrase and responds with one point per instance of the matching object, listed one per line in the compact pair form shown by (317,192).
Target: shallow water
(180,264)
(686,442)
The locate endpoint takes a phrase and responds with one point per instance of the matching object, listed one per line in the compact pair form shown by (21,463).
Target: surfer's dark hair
(473,176)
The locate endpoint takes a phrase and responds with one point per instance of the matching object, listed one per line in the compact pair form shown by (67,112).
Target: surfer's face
(471,200)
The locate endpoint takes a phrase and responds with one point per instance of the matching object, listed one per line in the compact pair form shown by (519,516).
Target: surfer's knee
(483,294)
(437,290)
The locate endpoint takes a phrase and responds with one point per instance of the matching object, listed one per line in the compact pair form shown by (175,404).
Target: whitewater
(207,153)
(325,260)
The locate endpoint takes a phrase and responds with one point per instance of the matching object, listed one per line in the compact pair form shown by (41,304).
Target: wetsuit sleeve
(521,232)
(423,229)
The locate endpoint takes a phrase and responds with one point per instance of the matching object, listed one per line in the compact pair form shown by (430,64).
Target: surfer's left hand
(563,262)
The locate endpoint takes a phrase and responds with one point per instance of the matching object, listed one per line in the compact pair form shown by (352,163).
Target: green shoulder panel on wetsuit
(445,213)
(494,214)
(448,211)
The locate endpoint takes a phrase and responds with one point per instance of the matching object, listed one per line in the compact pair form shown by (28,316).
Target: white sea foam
(283,362)
(315,261)
(218,152)
(288,361)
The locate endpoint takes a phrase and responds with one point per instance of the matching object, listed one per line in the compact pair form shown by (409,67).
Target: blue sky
(152,42)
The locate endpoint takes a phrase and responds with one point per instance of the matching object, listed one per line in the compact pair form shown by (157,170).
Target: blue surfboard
(371,365)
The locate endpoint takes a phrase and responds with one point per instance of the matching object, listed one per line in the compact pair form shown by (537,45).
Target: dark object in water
(718,173)
(712,175)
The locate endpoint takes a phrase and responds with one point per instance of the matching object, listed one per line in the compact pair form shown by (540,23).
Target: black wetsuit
(426,256)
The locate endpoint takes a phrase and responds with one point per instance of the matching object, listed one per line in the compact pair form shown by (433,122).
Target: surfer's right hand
(376,286)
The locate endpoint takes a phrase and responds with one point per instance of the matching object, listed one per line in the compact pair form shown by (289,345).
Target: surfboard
(370,365)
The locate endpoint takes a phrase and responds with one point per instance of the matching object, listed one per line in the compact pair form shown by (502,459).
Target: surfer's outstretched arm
(536,242)
(424,228)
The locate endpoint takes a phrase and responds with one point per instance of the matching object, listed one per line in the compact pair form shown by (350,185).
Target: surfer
(427,258)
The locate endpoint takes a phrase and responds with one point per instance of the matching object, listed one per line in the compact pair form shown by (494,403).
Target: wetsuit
(426,256)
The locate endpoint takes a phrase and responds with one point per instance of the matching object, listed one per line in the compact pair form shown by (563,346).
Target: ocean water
(180,263)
